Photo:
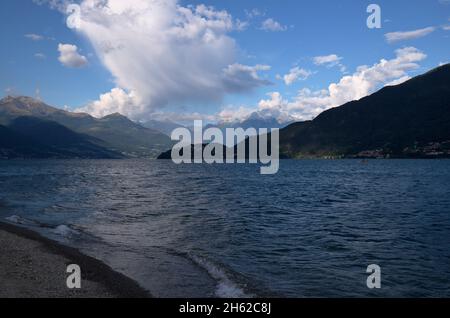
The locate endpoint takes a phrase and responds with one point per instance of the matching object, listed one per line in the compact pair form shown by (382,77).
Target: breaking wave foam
(226,287)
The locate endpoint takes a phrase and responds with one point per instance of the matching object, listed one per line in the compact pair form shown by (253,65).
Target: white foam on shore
(226,288)
(13,219)
(19,220)
(65,231)
(61,230)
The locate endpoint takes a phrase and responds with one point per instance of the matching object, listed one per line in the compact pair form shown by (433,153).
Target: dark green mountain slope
(15,145)
(55,136)
(408,120)
(166,127)
(128,137)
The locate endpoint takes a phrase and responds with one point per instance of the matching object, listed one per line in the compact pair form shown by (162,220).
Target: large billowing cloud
(115,101)
(161,53)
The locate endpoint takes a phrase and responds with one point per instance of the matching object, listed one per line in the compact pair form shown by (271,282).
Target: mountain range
(165,127)
(410,120)
(255,120)
(48,130)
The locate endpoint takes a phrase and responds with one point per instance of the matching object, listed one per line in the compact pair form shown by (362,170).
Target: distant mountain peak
(117,117)
(6,99)
(22,99)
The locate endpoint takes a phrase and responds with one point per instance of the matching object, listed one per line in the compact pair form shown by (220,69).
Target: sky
(215,60)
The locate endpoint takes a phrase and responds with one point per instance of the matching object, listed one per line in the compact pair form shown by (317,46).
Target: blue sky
(156,74)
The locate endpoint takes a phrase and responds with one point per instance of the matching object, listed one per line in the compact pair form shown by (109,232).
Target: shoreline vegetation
(32,266)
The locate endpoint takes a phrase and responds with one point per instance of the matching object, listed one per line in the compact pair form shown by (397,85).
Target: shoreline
(32,266)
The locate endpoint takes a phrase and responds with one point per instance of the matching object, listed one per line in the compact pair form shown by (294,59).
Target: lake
(227,231)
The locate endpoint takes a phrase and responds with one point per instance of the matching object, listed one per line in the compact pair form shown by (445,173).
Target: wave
(65,231)
(20,220)
(226,282)
(226,287)
(61,230)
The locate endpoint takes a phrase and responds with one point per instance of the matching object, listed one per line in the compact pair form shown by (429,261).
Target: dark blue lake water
(225,230)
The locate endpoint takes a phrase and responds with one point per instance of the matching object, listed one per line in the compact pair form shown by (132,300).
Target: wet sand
(32,266)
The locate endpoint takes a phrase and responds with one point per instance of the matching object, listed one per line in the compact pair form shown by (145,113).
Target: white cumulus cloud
(232,114)
(329,61)
(115,101)
(69,56)
(296,74)
(238,77)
